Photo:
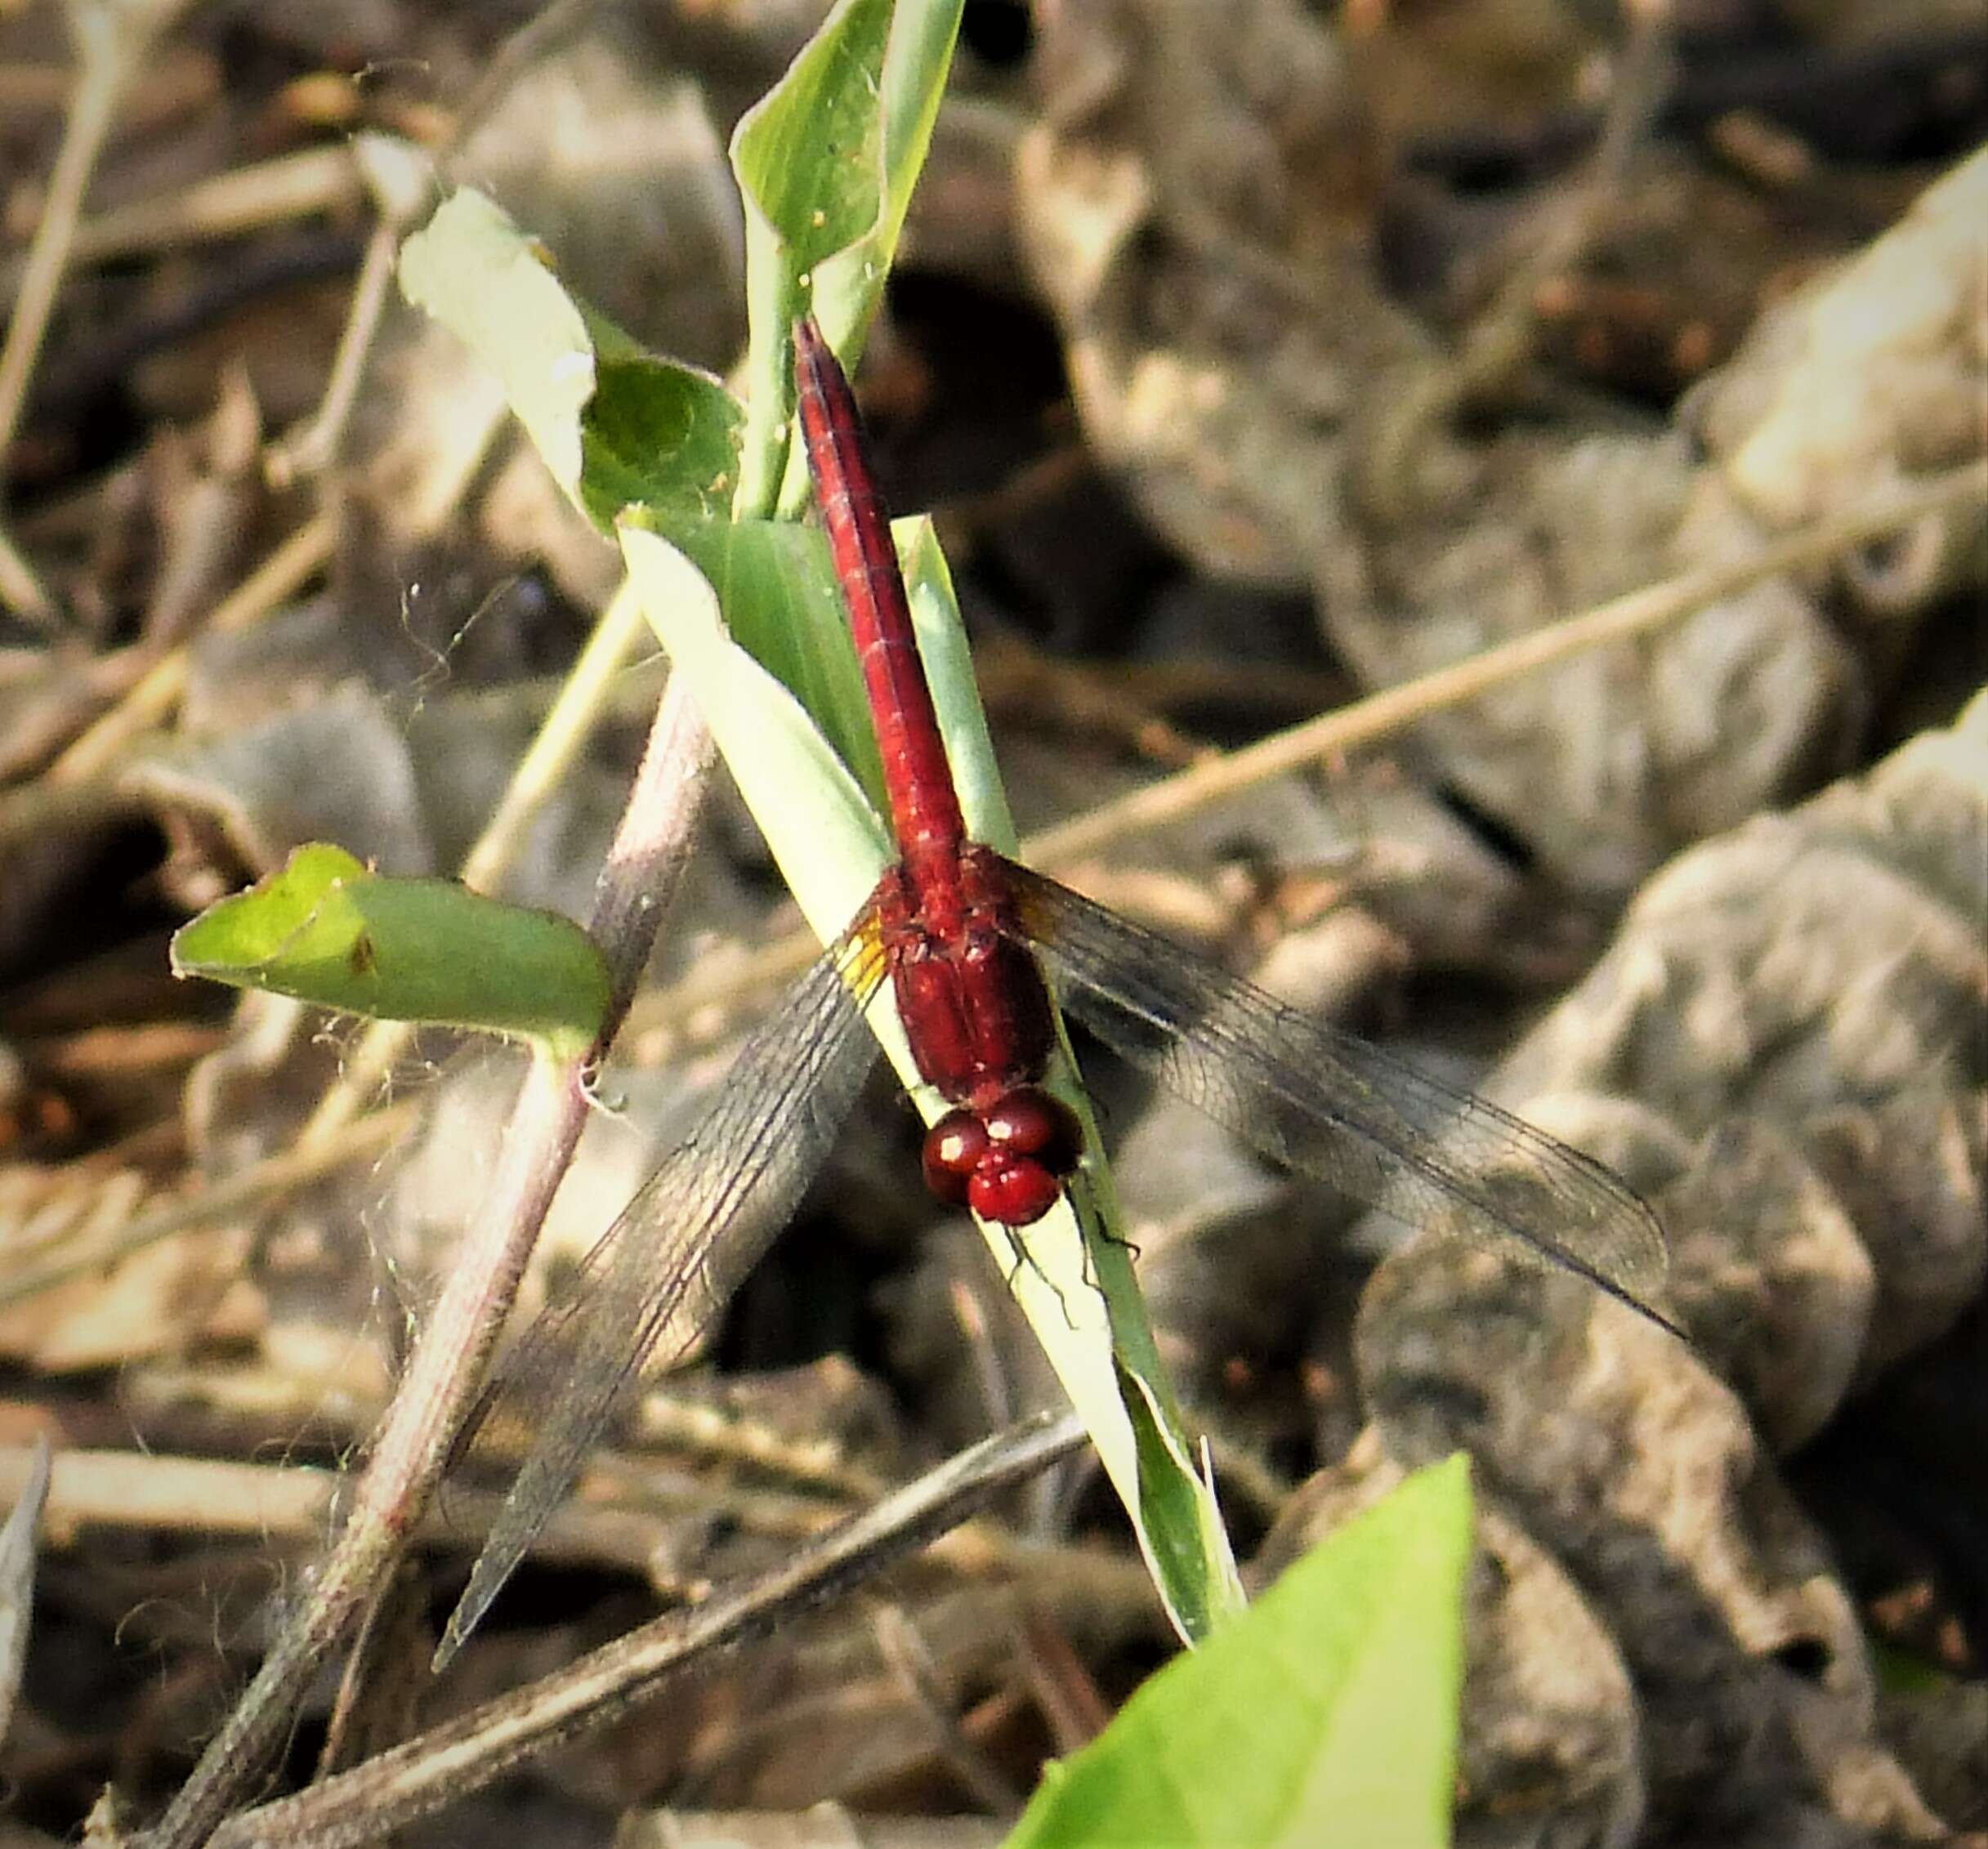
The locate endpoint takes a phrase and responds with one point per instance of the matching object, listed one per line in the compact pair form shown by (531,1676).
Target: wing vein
(682,1245)
(1324,1102)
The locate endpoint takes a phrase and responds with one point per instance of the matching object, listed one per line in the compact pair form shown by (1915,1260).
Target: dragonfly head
(1008,1162)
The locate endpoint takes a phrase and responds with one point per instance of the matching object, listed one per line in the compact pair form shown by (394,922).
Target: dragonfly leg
(1132,1247)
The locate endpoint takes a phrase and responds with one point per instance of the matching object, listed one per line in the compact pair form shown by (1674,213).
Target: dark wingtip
(478,1596)
(1643,1307)
(1668,1324)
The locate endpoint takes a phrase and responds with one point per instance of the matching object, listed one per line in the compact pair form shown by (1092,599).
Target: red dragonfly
(964,936)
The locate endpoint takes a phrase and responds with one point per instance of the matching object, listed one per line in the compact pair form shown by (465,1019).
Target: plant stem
(445,1371)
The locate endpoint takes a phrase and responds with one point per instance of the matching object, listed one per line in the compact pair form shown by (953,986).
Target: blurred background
(1250,358)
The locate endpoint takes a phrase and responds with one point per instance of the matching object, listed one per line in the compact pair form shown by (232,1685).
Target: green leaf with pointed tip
(324,929)
(811,151)
(1324,1718)
(955,688)
(826,164)
(1114,1373)
(809,159)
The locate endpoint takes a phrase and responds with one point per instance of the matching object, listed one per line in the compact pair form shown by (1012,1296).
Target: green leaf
(955,689)
(1324,1718)
(325,929)
(661,436)
(826,163)
(915,69)
(809,159)
(810,153)
(615,424)
(831,844)
(777,590)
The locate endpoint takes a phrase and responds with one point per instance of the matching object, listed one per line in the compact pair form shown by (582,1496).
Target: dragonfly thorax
(973,1002)
(978,1016)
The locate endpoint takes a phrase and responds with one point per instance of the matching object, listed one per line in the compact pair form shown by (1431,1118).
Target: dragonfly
(970,944)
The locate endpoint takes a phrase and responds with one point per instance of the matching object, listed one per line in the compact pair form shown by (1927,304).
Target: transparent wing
(1322,1101)
(680,1247)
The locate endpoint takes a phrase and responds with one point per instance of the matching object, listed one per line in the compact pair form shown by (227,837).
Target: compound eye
(1028,1121)
(1016,1194)
(955,1147)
